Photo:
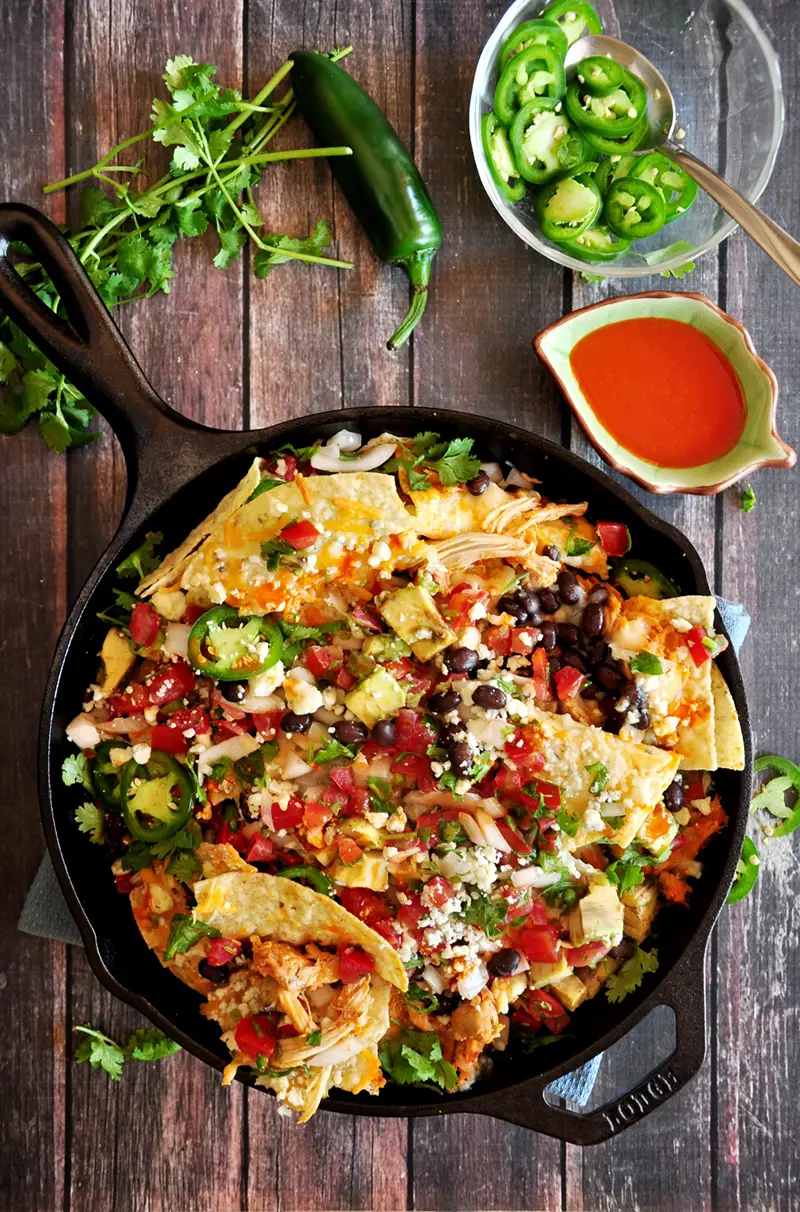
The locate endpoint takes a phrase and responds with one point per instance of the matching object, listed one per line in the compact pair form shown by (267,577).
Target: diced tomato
(524,640)
(389,930)
(541,675)
(697,649)
(266,723)
(316,815)
(438,891)
(499,639)
(594,855)
(345,680)
(262,849)
(353,964)
(515,840)
(222,950)
(431,823)
(409,914)
(132,701)
(568,682)
(287,464)
(168,740)
(191,717)
(364,904)
(342,777)
(411,734)
(417,679)
(551,797)
(508,782)
(349,851)
(124,883)
(615,538)
(536,911)
(174,682)
(322,660)
(359,800)
(256,1036)
(524,749)
(300,535)
(542,1007)
(462,600)
(228,728)
(192,613)
(288,817)
(418,768)
(589,953)
(367,619)
(144,624)
(334,797)
(231,837)
(539,944)
(695,791)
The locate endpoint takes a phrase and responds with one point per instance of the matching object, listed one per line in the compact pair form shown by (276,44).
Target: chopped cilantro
(626,871)
(630,976)
(296,632)
(747,498)
(416,1056)
(488,914)
(266,485)
(647,663)
(447,781)
(150,1044)
(145,1044)
(314,1039)
(301,453)
(273,549)
(328,752)
(89,819)
(185,866)
(481,766)
(577,547)
(531,1040)
(422,999)
(75,769)
(144,559)
(184,932)
(452,461)
(599,779)
(567,823)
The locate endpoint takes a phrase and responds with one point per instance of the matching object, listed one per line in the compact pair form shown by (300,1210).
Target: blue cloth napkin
(45,912)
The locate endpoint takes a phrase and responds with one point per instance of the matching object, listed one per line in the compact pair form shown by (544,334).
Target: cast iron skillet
(177,471)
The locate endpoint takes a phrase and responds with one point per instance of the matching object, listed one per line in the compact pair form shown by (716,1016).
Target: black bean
(460,756)
(643,721)
(673,796)
(529,599)
(574,661)
(593,620)
(483,663)
(597,651)
(512,606)
(552,552)
(448,1002)
(491,698)
(449,733)
(570,590)
(626,696)
(598,596)
(589,691)
(444,702)
(555,665)
(384,733)
(234,692)
(350,732)
(479,484)
(614,720)
(548,601)
(460,660)
(608,677)
(504,963)
(216,973)
(548,635)
(114,828)
(568,634)
(292,722)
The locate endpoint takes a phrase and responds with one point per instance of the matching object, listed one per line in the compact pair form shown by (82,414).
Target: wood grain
(33,511)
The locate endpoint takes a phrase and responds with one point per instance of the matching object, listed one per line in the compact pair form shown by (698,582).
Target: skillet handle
(87,347)
(686,994)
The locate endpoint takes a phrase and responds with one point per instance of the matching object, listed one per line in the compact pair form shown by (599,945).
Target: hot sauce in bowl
(662,389)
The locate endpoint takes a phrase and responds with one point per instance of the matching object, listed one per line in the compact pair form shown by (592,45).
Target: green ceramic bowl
(759,445)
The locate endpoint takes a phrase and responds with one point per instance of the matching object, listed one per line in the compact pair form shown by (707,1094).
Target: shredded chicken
(521,515)
(349,1011)
(467,549)
(296,1011)
(295,968)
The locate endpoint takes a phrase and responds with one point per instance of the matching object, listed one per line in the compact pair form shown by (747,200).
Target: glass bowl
(726,81)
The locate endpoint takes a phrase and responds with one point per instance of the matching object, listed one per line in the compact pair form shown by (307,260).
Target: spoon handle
(776,243)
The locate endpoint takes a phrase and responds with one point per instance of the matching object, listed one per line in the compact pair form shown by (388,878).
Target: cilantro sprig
(416,1056)
(452,461)
(630,976)
(102,1052)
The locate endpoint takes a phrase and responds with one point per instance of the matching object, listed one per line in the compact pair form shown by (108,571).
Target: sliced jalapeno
(156,797)
(574,18)
(599,75)
(612,116)
(318,879)
(619,147)
(746,872)
(532,33)
(499,157)
(675,186)
(640,578)
(597,244)
(232,647)
(608,170)
(634,209)
(544,142)
(568,207)
(105,775)
(535,72)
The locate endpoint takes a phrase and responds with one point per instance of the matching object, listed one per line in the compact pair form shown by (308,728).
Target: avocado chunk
(117,657)
(370,871)
(412,613)
(597,916)
(377,697)
(385,648)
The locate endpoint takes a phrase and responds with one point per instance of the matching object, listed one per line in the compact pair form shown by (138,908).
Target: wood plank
(32,603)
(757,1162)
(190,345)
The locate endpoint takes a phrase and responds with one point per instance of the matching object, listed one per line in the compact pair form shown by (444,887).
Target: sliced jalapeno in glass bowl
(532,33)
(597,243)
(500,158)
(156,797)
(633,209)
(619,147)
(675,186)
(233,647)
(612,116)
(599,75)
(544,142)
(535,72)
(568,207)
(574,18)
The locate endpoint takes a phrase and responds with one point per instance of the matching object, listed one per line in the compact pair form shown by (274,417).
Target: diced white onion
(344,439)
(534,877)
(371,459)
(176,639)
(294,767)
(490,831)
(258,702)
(266,810)
(449,864)
(492,808)
(493,471)
(515,479)
(337,1054)
(82,732)
(434,978)
(473,981)
(124,726)
(472,828)
(235,747)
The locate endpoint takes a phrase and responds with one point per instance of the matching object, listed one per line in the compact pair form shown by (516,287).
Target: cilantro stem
(261,96)
(89,172)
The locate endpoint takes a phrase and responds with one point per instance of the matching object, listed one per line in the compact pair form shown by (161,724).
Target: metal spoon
(776,243)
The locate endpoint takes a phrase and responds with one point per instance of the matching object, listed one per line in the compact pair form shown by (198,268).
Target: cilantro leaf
(266,485)
(626,871)
(567,823)
(143,559)
(416,1056)
(185,866)
(317,242)
(647,663)
(577,547)
(747,498)
(100,1051)
(314,1039)
(301,453)
(150,1044)
(599,779)
(531,1040)
(457,465)
(422,999)
(273,549)
(328,752)
(488,914)
(89,819)
(75,769)
(184,932)
(183,839)
(295,632)
(630,976)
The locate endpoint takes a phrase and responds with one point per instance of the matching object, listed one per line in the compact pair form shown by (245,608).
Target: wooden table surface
(227,350)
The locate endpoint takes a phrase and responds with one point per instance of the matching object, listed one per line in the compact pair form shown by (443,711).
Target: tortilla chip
(169,572)
(556,533)
(727,729)
(441,513)
(243,904)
